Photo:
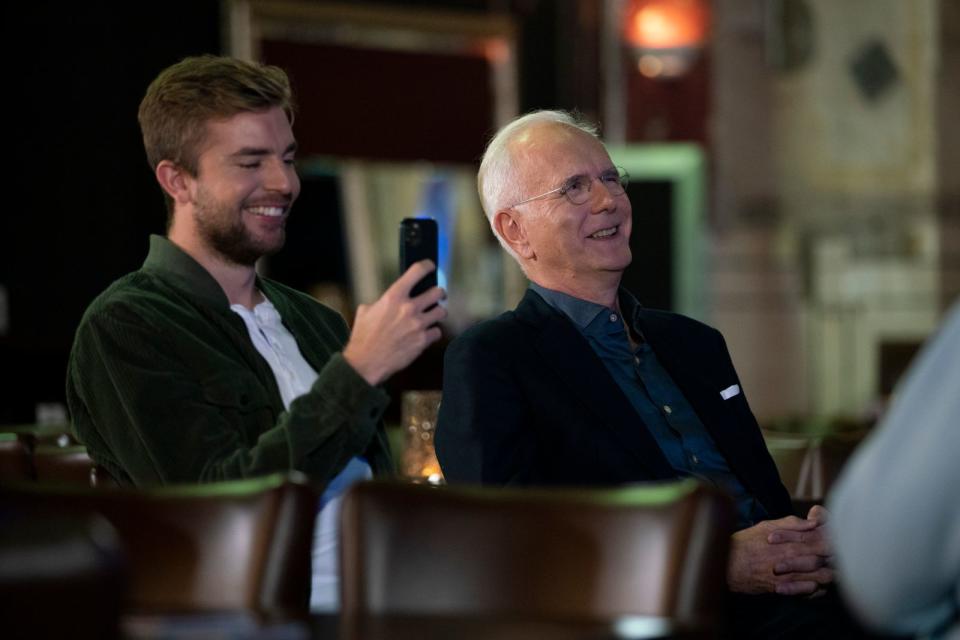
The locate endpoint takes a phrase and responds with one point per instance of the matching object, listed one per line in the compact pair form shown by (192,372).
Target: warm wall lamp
(666,36)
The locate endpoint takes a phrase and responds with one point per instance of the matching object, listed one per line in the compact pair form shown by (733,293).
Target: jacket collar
(174,265)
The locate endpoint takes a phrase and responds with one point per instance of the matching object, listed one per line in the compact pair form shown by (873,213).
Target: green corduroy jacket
(164,384)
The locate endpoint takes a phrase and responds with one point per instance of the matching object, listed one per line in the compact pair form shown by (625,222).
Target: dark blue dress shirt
(655,397)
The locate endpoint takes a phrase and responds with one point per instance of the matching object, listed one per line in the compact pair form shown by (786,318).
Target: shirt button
(667,409)
(613,317)
(636,359)
(695,459)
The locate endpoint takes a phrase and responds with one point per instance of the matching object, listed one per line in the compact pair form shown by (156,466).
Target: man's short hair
(185,96)
(495,182)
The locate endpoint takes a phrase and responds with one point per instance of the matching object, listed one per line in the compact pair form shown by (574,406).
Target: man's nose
(600,197)
(280,177)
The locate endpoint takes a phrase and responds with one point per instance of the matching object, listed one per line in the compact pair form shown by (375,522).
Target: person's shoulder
(130,296)
(504,330)
(505,325)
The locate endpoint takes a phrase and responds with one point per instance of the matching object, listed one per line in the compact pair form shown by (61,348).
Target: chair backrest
(16,463)
(231,546)
(649,550)
(63,465)
(60,577)
(809,464)
(19,444)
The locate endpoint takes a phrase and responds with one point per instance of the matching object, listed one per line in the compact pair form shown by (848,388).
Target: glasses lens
(623,179)
(578,191)
(614,183)
(618,183)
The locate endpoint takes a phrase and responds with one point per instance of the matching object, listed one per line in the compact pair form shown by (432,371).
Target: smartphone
(418,241)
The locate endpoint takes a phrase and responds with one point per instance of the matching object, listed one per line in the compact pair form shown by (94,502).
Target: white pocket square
(729,392)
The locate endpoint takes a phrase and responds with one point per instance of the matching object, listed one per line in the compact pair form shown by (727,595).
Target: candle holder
(419,421)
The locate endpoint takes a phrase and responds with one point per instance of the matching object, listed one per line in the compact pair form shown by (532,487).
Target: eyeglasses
(577,188)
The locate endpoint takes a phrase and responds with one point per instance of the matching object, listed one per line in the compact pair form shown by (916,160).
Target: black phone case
(418,241)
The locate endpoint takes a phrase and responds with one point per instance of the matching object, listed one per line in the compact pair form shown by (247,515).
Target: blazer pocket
(730,392)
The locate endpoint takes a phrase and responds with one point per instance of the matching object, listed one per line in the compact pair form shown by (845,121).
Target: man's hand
(788,556)
(390,333)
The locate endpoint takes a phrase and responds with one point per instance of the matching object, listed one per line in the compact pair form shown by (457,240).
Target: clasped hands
(788,556)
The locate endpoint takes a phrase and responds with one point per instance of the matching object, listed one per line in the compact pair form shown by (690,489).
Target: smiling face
(235,208)
(563,246)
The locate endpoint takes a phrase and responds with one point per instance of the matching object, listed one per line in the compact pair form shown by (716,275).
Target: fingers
(798,588)
(780,536)
(804,583)
(800,564)
(429,298)
(793,523)
(801,543)
(806,542)
(410,277)
(793,529)
(818,514)
(433,334)
(434,315)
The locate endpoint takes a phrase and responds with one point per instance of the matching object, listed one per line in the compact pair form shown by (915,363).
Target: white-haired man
(580,385)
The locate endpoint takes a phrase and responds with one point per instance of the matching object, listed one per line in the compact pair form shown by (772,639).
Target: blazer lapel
(699,392)
(582,374)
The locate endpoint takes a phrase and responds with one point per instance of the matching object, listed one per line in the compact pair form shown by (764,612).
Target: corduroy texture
(164,384)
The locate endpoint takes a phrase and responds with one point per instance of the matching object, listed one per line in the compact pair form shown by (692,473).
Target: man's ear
(175,180)
(510,228)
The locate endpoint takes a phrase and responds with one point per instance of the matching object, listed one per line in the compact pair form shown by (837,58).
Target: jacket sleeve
(149,415)
(485,431)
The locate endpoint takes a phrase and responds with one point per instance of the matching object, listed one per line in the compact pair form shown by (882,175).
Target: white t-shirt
(294,378)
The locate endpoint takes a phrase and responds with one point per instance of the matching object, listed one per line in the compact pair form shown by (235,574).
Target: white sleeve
(895,511)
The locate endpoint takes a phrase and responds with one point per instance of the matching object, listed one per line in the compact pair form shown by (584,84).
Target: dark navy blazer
(526,401)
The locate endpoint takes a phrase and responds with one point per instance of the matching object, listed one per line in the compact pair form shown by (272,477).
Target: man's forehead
(248,130)
(555,150)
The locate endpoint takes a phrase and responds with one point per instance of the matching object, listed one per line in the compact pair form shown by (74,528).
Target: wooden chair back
(648,550)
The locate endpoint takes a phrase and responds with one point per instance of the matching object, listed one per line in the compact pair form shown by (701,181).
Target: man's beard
(222,228)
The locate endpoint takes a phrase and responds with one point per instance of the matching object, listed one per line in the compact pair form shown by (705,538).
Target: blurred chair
(18,443)
(60,576)
(656,550)
(16,463)
(809,464)
(70,465)
(242,546)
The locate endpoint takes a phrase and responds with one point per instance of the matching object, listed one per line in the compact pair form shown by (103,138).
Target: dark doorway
(650,275)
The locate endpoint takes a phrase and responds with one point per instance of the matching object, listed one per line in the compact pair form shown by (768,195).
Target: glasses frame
(623,179)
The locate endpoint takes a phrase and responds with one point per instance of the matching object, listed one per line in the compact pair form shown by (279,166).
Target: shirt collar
(583,313)
(631,309)
(580,312)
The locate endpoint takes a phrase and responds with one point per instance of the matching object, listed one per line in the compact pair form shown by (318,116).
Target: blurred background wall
(823,227)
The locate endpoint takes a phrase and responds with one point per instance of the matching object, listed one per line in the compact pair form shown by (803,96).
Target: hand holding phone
(390,333)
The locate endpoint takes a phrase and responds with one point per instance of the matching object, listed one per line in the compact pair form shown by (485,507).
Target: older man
(581,385)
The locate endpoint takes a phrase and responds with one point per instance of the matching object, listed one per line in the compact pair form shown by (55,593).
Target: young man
(196,369)
(580,385)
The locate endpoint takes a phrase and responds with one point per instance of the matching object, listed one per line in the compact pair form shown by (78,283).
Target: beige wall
(828,225)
